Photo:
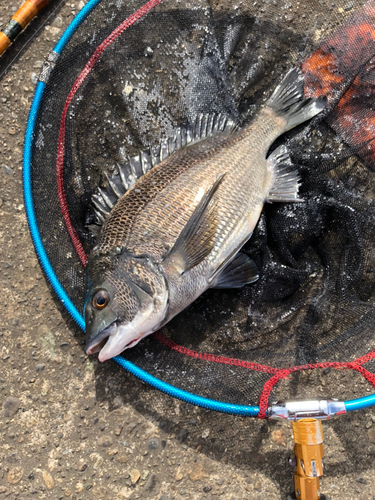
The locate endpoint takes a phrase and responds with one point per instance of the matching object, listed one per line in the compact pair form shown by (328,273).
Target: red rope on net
(277,373)
(284,373)
(61,144)
(213,357)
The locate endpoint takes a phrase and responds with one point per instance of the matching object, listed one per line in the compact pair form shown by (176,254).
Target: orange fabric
(343,69)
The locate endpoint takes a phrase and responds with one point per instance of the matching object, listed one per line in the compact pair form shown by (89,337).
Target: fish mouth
(98,342)
(113,340)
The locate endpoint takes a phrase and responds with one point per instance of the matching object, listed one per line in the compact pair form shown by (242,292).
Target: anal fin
(239,272)
(287,182)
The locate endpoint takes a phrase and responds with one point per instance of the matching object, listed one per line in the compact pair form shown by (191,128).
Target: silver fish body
(179,230)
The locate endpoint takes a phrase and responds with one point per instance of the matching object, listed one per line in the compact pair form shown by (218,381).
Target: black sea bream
(179,229)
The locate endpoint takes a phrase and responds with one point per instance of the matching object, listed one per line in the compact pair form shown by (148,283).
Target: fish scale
(173,185)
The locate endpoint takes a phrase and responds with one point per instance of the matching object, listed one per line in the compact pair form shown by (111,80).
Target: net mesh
(314,301)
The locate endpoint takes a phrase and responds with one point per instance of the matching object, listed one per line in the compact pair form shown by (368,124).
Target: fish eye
(100,299)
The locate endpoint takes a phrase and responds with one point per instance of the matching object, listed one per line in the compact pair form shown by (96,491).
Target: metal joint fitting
(295,410)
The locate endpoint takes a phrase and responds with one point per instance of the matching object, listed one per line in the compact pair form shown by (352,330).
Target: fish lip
(104,356)
(93,345)
(97,344)
(124,338)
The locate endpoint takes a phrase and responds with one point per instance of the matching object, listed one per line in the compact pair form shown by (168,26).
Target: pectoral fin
(239,272)
(197,238)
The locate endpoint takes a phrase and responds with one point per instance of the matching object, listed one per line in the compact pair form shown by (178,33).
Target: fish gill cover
(122,86)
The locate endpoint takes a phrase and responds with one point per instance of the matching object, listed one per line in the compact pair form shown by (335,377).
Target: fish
(173,222)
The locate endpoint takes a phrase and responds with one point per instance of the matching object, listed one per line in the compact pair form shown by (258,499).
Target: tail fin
(288,100)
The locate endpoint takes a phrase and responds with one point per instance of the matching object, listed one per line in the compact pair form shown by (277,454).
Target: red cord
(61,145)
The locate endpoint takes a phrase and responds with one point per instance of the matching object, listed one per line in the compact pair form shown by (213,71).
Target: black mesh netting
(314,301)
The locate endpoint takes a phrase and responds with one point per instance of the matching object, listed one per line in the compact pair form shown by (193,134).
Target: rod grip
(4,42)
(28,11)
(19,21)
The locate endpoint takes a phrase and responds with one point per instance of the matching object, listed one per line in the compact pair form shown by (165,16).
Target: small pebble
(183,434)
(15,475)
(105,441)
(40,367)
(34,78)
(57,22)
(152,444)
(151,483)
(128,89)
(99,493)
(205,433)
(7,170)
(148,52)
(163,425)
(11,406)
(118,429)
(54,31)
(134,476)
(48,479)
(361,480)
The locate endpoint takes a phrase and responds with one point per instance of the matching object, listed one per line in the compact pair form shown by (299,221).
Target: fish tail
(289,102)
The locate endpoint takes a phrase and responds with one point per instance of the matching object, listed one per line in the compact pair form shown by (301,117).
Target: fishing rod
(19,21)
(7,38)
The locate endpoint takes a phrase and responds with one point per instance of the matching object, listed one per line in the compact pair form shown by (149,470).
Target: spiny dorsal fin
(197,238)
(205,125)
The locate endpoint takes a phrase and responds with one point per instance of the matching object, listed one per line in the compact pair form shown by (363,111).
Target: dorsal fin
(206,125)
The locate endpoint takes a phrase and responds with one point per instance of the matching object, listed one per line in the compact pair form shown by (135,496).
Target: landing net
(126,75)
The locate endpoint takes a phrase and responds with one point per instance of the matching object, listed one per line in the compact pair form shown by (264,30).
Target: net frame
(51,275)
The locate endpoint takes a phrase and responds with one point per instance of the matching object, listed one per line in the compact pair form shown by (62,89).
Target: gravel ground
(73,428)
